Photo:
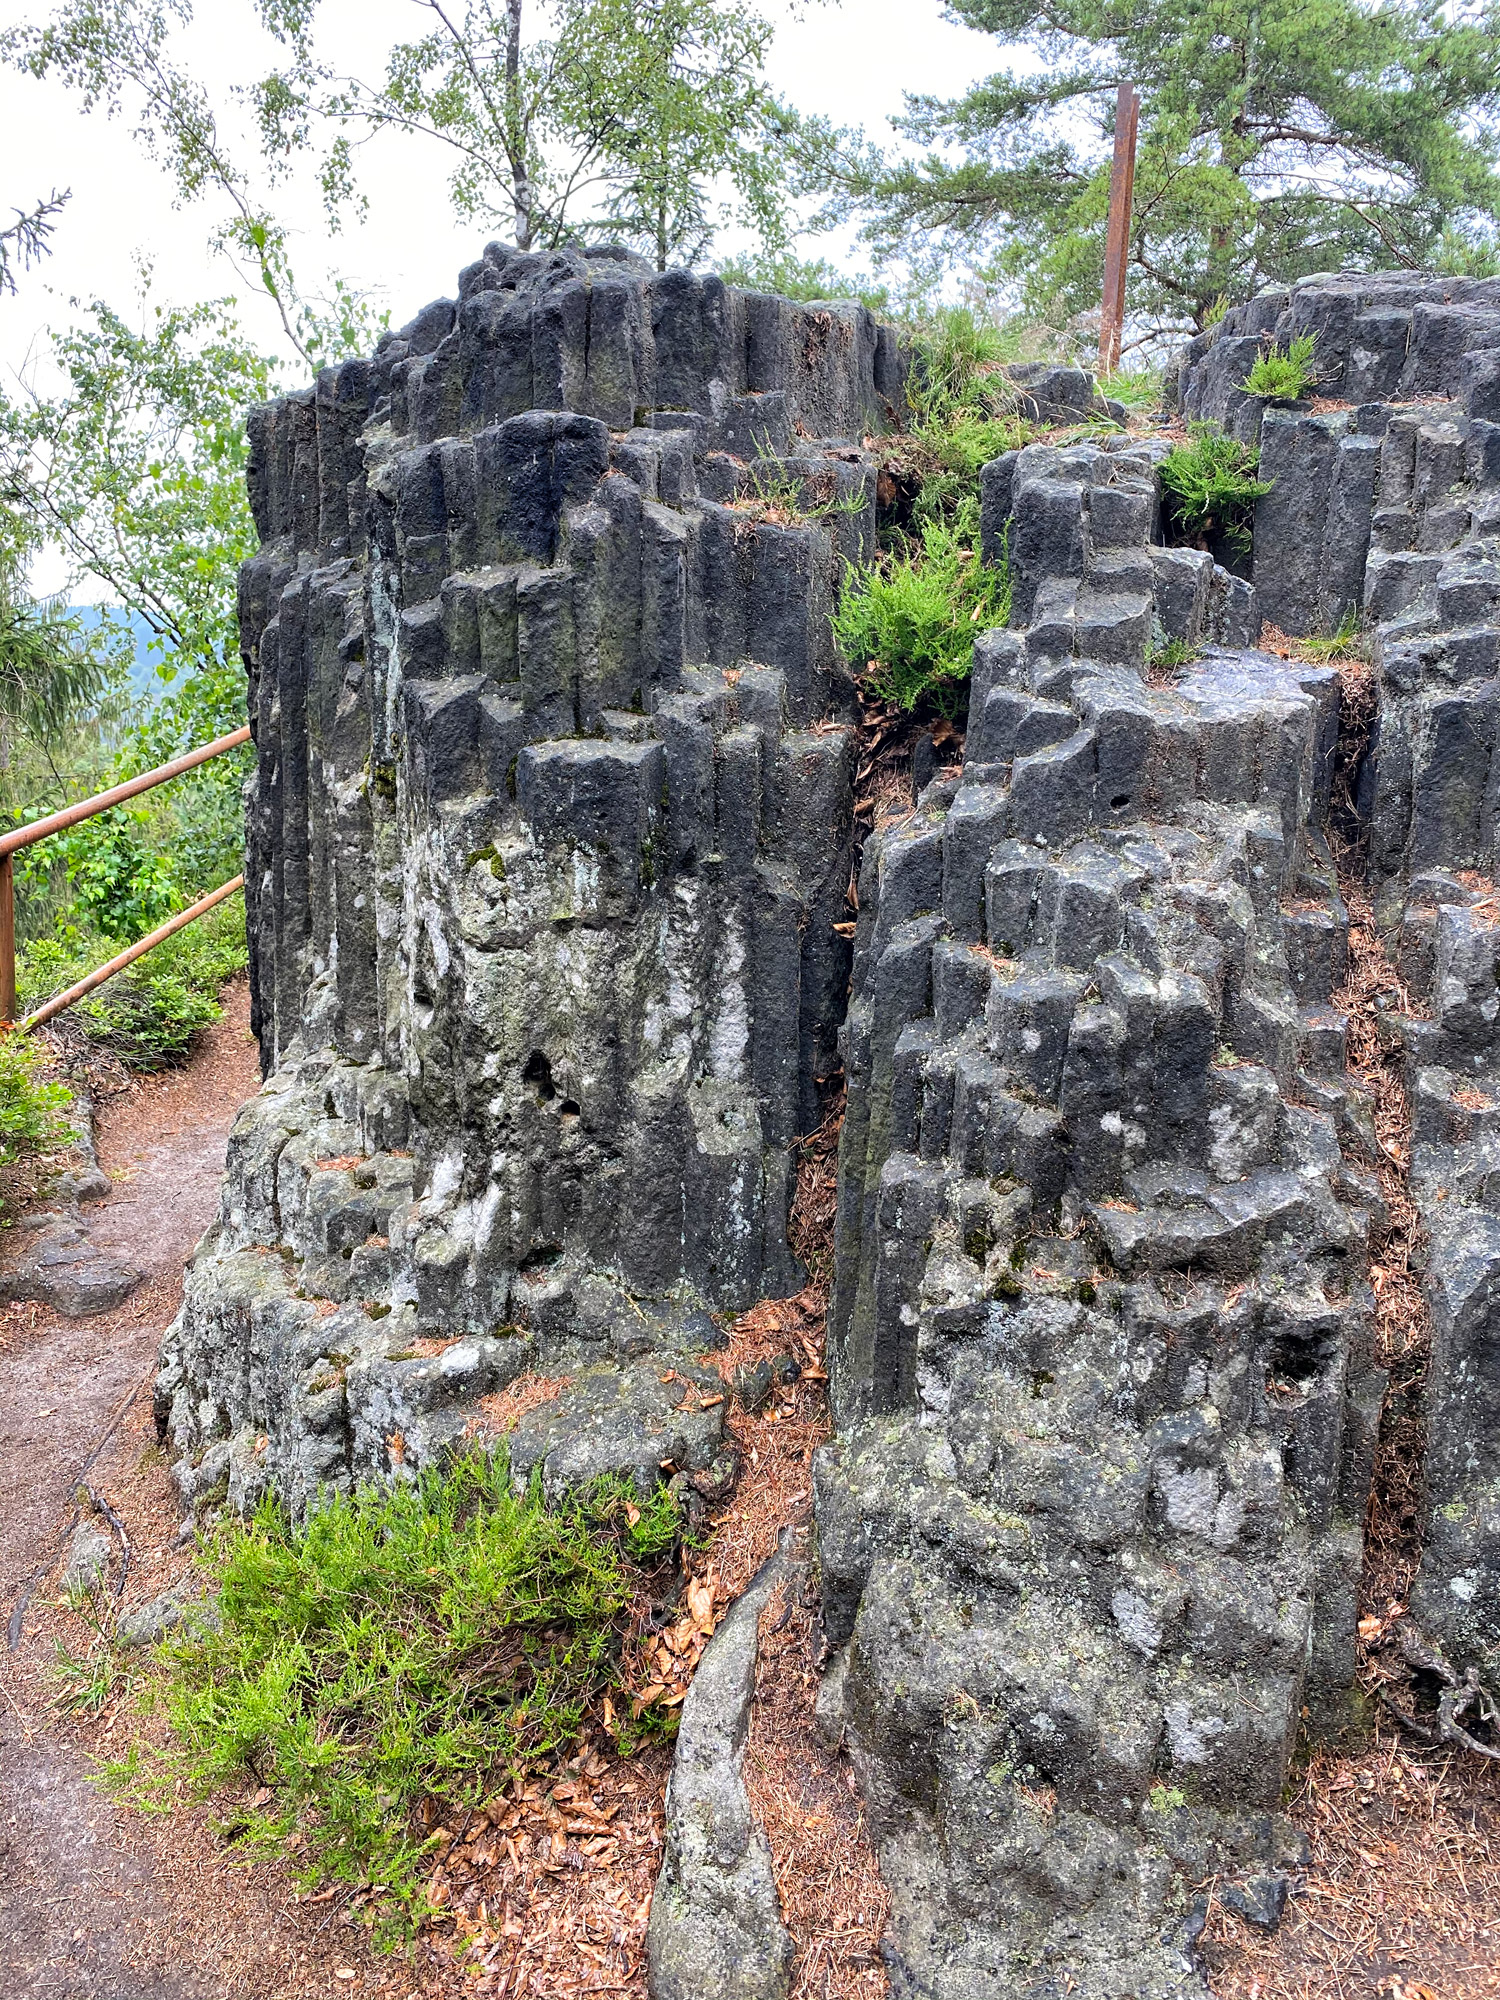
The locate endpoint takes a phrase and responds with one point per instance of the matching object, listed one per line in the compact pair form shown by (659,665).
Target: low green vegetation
(31,1108)
(911,622)
(149,1014)
(963,407)
(1331,648)
(774,494)
(1210,488)
(1166,662)
(427,1641)
(1282,375)
(1139,389)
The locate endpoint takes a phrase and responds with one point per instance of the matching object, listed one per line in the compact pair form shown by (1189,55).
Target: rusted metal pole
(7,941)
(60,1001)
(59,822)
(1117,238)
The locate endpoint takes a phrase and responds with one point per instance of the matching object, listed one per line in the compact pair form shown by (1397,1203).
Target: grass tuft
(1283,375)
(1211,487)
(963,409)
(911,623)
(1347,643)
(428,1641)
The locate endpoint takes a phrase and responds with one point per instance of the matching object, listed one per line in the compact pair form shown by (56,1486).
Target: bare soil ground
(1403,1896)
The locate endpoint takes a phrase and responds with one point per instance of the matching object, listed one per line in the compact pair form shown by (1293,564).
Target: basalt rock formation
(548,834)
(550,839)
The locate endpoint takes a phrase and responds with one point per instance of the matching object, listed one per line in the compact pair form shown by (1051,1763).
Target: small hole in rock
(538,1073)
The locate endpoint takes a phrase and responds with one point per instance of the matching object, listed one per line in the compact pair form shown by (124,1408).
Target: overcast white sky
(852,61)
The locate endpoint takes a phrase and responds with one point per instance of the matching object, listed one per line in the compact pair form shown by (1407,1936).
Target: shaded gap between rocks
(1372,996)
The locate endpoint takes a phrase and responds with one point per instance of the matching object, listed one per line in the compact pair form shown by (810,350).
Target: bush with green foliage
(150,1014)
(963,406)
(1282,376)
(1211,488)
(962,414)
(426,1640)
(31,1111)
(911,622)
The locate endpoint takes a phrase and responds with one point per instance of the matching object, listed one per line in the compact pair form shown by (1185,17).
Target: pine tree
(1278,138)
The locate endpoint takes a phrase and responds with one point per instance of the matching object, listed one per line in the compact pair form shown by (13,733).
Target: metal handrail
(39,829)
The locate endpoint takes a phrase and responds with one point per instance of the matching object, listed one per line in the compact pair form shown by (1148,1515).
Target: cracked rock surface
(549,831)
(716,1931)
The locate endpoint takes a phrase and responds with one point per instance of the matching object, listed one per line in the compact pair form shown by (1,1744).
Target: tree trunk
(516,134)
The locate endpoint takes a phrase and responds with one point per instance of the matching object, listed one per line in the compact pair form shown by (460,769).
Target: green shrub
(120,885)
(808,280)
(954,358)
(30,1110)
(427,1640)
(1211,488)
(1283,377)
(911,623)
(150,1014)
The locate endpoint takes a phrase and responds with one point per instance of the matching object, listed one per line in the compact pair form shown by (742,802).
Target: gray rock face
(1412,477)
(57,1262)
(1101,1341)
(1100,1345)
(716,1931)
(549,830)
(1379,338)
(183,1610)
(90,1554)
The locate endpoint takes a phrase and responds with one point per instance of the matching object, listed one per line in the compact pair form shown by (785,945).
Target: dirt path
(97,1902)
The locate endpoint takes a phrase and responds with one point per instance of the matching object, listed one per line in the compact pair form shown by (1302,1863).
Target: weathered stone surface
(1381,337)
(55,1261)
(716,1931)
(549,832)
(90,1554)
(1089,1532)
(184,1610)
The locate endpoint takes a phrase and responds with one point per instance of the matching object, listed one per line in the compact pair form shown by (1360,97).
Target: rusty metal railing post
(60,1001)
(7,941)
(1117,238)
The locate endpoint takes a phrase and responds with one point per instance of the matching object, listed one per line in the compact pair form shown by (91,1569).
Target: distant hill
(143,678)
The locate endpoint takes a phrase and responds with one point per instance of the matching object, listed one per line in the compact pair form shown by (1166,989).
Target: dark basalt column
(548,834)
